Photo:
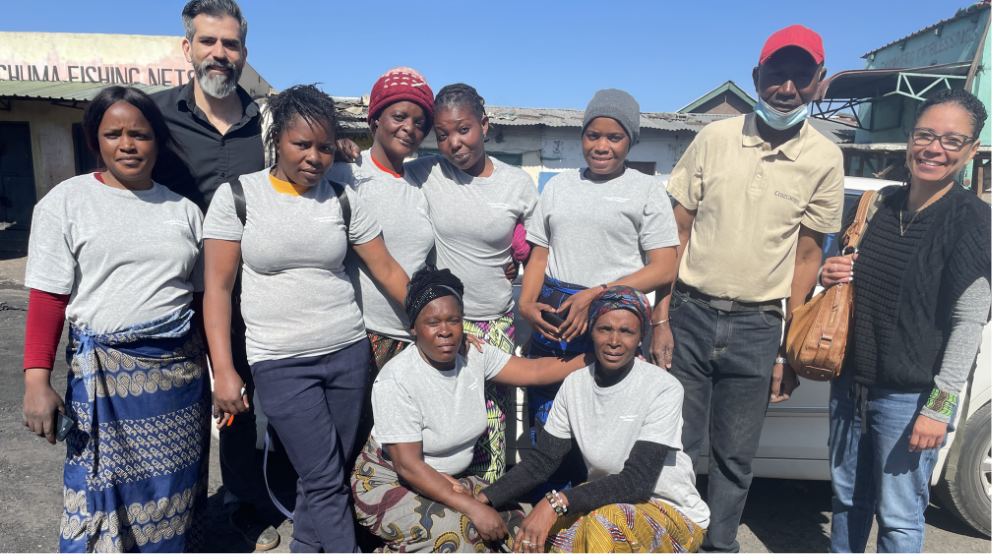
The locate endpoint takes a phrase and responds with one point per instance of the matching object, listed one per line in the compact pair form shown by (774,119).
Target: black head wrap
(427,285)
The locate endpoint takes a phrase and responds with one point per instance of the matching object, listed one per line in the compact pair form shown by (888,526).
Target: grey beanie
(618,106)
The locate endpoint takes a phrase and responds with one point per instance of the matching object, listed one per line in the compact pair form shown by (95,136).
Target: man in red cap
(755,196)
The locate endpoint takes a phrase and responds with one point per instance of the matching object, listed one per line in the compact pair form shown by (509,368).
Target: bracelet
(604,285)
(555,504)
(559,498)
(659,323)
(941,402)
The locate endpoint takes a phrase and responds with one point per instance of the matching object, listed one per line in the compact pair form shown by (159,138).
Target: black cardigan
(906,285)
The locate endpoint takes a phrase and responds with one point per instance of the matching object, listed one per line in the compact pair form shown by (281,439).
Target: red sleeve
(520,247)
(46,316)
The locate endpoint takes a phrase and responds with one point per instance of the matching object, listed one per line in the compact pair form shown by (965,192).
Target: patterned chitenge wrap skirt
(136,464)
(410,523)
(489,456)
(650,527)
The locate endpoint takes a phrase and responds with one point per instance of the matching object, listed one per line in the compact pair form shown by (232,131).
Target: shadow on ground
(221,536)
(787,515)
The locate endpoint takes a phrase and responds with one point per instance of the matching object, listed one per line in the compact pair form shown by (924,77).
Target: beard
(215,85)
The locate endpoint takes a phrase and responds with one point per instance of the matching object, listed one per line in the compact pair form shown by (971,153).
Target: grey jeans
(724,361)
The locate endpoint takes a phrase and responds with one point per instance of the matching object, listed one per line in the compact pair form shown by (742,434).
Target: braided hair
(964,99)
(305,101)
(460,95)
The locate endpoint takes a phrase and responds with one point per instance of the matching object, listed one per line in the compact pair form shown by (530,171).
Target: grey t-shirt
(606,422)
(598,231)
(124,257)
(445,411)
(474,220)
(296,299)
(401,209)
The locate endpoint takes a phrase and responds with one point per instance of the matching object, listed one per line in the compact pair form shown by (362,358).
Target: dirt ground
(780,515)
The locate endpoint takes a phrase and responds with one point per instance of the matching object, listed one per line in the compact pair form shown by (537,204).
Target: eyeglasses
(952,142)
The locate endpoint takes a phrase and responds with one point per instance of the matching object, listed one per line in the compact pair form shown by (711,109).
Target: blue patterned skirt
(136,464)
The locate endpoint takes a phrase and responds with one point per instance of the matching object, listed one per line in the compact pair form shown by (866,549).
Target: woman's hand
(837,270)
(531,312)
(346,151)
(488,522)
(578,306)
(534,529)
(41,403)
(469,339)
(512,270)
(928,434)
(457,486)
(662,345)
(230,398)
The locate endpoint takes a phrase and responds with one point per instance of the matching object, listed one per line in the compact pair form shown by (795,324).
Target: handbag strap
(867,207)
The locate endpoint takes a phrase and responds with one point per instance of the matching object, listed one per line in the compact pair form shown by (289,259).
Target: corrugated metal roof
(79,92)
(352,115)
(973,9)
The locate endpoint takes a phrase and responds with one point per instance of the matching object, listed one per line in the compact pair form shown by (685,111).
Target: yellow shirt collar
(287,188)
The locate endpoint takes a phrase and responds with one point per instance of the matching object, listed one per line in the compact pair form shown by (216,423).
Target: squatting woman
(413,482)
(626,417)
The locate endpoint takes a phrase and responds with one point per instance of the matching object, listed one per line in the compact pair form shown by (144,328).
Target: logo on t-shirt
(794,200)
(628,418)
(615,199)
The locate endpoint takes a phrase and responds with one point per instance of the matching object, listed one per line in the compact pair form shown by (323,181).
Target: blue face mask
(781,120)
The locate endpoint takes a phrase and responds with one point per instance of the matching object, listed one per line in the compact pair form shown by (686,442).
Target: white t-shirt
(296,299)
(444,410)
(646,405)
(124,257)
(401,209)
(598,231)
(474,220)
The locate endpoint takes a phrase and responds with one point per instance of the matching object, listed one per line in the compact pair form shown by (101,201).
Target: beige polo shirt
(750,201)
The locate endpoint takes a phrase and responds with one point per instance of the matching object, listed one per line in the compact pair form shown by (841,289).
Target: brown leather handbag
(818,336)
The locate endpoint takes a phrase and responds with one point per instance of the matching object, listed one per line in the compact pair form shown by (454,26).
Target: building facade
(951,54)
(46,81)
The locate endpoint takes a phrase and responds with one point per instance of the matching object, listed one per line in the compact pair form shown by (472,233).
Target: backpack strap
(238,193)
(346,205)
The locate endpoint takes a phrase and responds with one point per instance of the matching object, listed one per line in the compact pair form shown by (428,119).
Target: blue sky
(516,53)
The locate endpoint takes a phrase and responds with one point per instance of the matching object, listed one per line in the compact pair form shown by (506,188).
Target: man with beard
(755,196)
(219,126)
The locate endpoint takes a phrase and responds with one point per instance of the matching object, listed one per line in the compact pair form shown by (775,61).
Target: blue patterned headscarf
(622,297)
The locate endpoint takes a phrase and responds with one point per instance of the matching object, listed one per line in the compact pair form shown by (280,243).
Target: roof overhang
(67,94)
(871,84)
(847,89)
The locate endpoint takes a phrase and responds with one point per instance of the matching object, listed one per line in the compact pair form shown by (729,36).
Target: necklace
(904,229)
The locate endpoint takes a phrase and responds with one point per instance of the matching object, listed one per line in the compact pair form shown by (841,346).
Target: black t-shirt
(210,158)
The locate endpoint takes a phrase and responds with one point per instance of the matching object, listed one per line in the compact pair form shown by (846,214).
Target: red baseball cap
(794,35)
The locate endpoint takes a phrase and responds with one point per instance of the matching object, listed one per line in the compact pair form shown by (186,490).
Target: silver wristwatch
(780,360)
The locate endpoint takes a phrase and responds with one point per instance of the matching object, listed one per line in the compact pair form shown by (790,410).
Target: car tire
(968,493)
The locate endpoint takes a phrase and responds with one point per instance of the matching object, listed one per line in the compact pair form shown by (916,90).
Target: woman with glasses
(922,297)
